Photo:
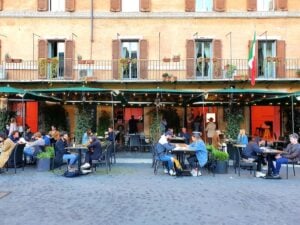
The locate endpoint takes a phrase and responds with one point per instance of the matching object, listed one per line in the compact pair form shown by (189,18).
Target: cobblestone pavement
(132,194)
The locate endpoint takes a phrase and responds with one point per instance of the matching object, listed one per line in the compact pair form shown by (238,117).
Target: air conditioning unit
(82,73)
(3,75)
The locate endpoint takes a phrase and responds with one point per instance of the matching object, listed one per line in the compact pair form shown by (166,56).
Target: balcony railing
(147,70)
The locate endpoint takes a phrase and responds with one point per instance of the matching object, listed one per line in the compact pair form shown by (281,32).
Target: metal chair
(134,141)
(292,162)
(16,158)
(244,163)
(105,159)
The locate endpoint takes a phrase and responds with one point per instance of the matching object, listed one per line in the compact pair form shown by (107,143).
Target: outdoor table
(78,149)
(270,156)
(180,151)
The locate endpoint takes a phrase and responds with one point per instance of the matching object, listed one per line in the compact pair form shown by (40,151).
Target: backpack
(71,173)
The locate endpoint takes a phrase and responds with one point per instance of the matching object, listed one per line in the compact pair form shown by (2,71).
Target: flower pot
(81,61)
(221,167)
(166,60)
(43,164)
(90,61)
(176,59)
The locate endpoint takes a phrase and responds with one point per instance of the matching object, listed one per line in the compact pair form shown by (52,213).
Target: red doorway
(265,121)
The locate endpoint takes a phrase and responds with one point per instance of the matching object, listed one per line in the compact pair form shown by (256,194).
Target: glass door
(203,59)
(267,59)
(129,63)
(56,54)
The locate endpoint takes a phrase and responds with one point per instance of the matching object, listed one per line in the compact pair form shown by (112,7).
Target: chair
(292,162)
(156,162)
(244,163)
(144,144)
(16,158)
(106,160)
(211,163)
(134,141)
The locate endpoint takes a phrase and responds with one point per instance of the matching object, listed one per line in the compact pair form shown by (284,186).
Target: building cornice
(150,15)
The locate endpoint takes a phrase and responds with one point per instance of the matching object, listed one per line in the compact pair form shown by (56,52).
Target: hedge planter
(221,167)
(43,165)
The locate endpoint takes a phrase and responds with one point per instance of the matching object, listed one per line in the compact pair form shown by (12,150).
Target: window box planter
(166,60)
(176,58)
(11,60)
(90,61)
(81,61)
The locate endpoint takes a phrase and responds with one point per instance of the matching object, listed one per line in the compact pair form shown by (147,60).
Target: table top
(182,148)
(239,145)
(271,151)
(77,147)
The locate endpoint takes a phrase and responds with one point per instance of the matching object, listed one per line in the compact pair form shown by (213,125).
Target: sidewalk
(132,195)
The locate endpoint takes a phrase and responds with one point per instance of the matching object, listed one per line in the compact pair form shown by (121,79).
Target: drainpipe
(92,28)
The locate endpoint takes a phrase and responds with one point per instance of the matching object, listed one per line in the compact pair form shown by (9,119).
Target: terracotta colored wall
(32,115)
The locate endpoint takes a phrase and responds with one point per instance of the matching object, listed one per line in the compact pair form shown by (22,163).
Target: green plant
(217,154)
(155,126)
(234,119)
(5,116)
(298,72)
(165,75)
(83,121)
(7,56)
(47,154)
(103,122)
(230,70)
(54,67)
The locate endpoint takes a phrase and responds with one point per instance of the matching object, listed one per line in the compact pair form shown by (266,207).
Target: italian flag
(252,60)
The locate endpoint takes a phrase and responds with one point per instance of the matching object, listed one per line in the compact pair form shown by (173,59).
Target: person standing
(210,129)
(132,123)
(185,135)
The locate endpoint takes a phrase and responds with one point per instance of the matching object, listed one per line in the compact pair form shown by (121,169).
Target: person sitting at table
(7,148)
(242,137)
(253,151)
(94,153)
(54,134)
(200,156)
(86,136)
(33,148)
(61,153)
(185,135)
(15,136)
(216,141)
(28,133)
(291,152)
(163,148)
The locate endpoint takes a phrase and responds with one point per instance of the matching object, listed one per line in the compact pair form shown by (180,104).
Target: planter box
(176,59)
(221,167)
(166,60)
(43,165)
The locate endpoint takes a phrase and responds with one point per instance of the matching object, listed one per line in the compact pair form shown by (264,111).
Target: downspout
(92,28)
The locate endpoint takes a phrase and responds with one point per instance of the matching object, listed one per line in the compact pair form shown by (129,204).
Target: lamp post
(33,37)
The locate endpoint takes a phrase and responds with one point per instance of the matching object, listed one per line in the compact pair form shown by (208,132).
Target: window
(56,50)
(265,5)
(129,53)
(130,5)
(203,59)
(267,59)
(204,5)
(57,5)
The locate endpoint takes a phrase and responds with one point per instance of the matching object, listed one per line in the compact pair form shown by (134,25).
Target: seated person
(28,134)
(94,153)
(62,154)
(33,148)
(216,141)
(86,136)
(46,138)
(253,151)
(200,156)
(185,135)
(242,137)
(7,148)
(291,152)
(15,136)
(54,134)
(163,146)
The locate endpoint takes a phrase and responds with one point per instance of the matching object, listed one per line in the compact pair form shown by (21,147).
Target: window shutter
(143,59)
(1,5)
(282,5)
(42,5)
(116,45)
(219,5)
(190,59)
(251,5)
(115,5)
(190,5)
(69,57)
(145,5)
(0,51)
(70,5)
(280,54)
(42,58)
(256,58)
(217,58)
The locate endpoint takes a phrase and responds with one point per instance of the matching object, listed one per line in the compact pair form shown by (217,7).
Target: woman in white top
(210,129)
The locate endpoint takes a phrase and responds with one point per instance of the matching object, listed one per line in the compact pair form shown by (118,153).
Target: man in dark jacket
(291,153)
(94,153)
(253,151)
(62,154)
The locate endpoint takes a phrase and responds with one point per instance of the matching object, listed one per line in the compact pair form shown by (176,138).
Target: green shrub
(220,155)
(47,154)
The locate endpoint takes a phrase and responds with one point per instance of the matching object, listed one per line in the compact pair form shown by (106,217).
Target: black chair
(105,158)
(16,158)
(293,163)
(242,163)
(134,141)
(156,162)
(211,164)
(145,145)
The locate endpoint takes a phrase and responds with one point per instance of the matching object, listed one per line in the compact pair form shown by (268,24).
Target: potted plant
(176,58)
(298,72)
(44,159)
(221,159)
(230,70)
(165,76)
(8,59)
(165,59)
